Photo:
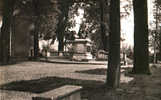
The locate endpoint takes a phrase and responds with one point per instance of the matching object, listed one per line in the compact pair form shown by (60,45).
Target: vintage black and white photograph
(80,49)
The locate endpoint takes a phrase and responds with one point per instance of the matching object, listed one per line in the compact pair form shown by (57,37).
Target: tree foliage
(63,6)
(91,22)
(126,6)
(157,34)
(44,12)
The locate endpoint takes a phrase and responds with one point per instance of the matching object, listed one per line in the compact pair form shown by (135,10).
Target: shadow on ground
(142,87)
(46,84)
(97,71)
(101,71)
(49,83)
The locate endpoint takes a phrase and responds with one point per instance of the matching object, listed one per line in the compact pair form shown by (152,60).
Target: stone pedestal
(101,55)
(81,50)
(67,92)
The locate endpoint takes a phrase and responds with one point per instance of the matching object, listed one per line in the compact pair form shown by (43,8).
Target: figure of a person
(124,57)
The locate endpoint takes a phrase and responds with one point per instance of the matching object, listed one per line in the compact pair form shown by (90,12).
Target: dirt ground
(24,80)
(142,87)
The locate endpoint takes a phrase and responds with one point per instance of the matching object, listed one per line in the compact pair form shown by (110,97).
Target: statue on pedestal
(81,47)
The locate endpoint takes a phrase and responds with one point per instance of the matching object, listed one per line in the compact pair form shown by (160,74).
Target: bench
(67,92)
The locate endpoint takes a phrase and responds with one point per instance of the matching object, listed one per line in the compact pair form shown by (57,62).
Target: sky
(0,21)
(127,25)
(150,13)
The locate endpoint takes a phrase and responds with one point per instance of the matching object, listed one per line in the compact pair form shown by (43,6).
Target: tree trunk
(141,54)
(60,34)
(61,44)
(103,34)
(36,42)
(36,30)
(8,6)
(113,71)
(64,8)
(160,46)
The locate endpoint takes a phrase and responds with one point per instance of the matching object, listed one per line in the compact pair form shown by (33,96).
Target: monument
(81,49)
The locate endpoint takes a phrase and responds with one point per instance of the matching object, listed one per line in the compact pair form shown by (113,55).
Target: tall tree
(8,6)
(160,46)
(36,35)
(62,21)
(103,14)
(44,21)
(141,54)
(113,71)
